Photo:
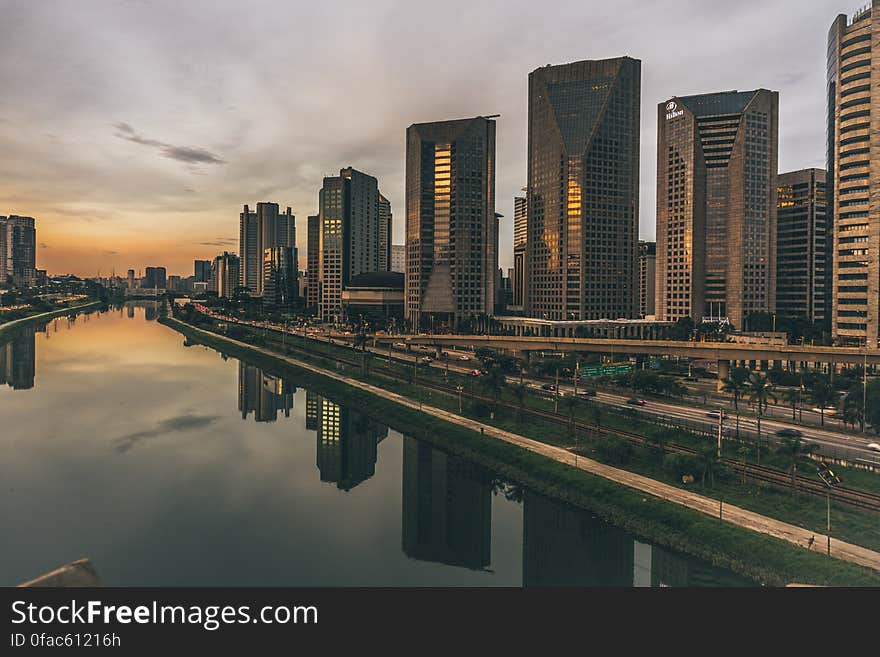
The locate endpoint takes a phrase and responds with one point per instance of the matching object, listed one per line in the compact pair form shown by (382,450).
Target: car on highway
(476,373)
(636,402)
(427,359)
(692,379)
(464,358)
(714,415)
(587,393)
(829,410)
(789,433)
(549,387)
(874,447)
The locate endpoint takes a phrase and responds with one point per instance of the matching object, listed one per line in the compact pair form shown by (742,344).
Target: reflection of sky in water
(131,450)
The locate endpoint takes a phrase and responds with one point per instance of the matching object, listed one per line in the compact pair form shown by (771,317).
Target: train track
(855,498)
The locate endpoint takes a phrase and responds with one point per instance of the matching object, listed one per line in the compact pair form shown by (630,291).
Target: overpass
(722,352)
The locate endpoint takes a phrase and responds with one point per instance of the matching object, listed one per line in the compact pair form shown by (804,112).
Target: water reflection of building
(312,401)
(18,360)
(151,312)
(565,546)
(447,508)
(347,443)
(263,394)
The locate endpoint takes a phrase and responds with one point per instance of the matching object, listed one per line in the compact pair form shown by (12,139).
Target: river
(172,465)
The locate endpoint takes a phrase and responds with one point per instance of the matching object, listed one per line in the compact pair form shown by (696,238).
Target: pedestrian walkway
(729,513)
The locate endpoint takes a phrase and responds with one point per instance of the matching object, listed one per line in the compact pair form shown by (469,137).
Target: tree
(520,392)
(760,393)
(659,439)
(736,384)
(823,394)
(570,402)
(853,413)
(494,382)
(794,449)
(792,396)
(710,464)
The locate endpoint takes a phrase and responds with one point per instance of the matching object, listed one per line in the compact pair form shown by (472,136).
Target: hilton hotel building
(854,175)
(716,206)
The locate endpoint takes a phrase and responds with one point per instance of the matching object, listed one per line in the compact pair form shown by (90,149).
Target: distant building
(279,276)
(154,278)
(451,225)
(647,278)
(313,266)
(716,206)
(384,245)
(520,237)
(174,284)
(132,284)
(225,275)
(202,271)
(803,246)
(583,190)
(263,229)
(398,258)
(376,297)
(18,250)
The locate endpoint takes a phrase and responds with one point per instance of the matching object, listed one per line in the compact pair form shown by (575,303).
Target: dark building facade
(716,206)
(520,237)
(854,170)
(18,250)
(583,190)
(384,235)
(803,246)
(280,276)
(376,298)
(313,262)
(266,228)
(647,278)
(155,277)
(202,271)
(225,274)
(451,225)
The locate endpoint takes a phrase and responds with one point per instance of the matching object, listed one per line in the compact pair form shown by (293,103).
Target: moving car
(874,447)
(476,373)
(829,410)
(587,393)
(548,386)
(464,358)
(789,433)
(714,415)
(636,402)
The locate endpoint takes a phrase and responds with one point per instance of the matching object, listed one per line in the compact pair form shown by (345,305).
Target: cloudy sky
(134,130)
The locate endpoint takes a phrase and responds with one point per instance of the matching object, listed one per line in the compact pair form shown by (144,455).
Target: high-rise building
(202,271)
(279,276)
(647,277)
(313,263)
(225,274)
(583,190)
(716,206)
(263,229)
(349,221)
(803,246)
(384,244)
(854,170)
(451,225)
(520,233)
(18,250)
(131,282)
(154,278)
(398,258)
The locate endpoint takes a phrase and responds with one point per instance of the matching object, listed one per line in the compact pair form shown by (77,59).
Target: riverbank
(24,321)
(763,557)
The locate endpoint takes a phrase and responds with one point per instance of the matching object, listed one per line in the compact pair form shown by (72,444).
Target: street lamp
(459,389)
(826,474)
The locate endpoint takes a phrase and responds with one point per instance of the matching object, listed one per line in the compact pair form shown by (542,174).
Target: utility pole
(556,393)
(720,429)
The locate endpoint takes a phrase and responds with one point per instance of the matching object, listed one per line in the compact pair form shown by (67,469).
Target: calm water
(170,465)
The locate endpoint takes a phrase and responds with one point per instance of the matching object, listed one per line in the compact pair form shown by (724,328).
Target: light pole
(720,429)
(459,389)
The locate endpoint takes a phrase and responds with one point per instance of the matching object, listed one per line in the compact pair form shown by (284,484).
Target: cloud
(172,425)
(220,241)
(43,245)
(186,154)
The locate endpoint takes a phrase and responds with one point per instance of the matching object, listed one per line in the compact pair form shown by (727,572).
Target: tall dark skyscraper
(225,274)
(803,246)
(155,277)
(349,235)
(202,271)
(583,190)
(18,250)
(279,276)
(716,206)
(263,229)
(854,176)
(520,237)
(384,245)
(451,225)
(647,278)
(313,266)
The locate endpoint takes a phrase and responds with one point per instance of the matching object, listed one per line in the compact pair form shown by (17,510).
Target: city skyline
(166,192)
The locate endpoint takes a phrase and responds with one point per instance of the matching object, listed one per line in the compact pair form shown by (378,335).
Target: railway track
(855,498)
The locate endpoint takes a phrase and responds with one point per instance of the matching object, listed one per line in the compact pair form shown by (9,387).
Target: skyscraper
(803,256)
(384,244)
(520,233)
(583,190)
(264,229)
(18,249)
(647,278)
(313,267)
(451,225)
(349,235)
(854,169)
(131,281)
(226,274)
(279,276)
(202,271)
(398,258)
(716,206)
(154,278)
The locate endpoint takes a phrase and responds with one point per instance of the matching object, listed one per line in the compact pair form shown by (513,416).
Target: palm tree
(710,463)
(823,394)
(794,449)
(736,384)
(760,393)
(792,396)
(596,415)
(520,392)
(494,382)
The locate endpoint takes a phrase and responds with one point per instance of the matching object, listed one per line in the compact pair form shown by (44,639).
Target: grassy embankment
(759,557)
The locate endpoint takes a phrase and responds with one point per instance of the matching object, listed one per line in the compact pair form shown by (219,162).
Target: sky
(133,131)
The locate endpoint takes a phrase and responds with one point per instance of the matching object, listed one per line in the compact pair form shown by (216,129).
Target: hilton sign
(672,111)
